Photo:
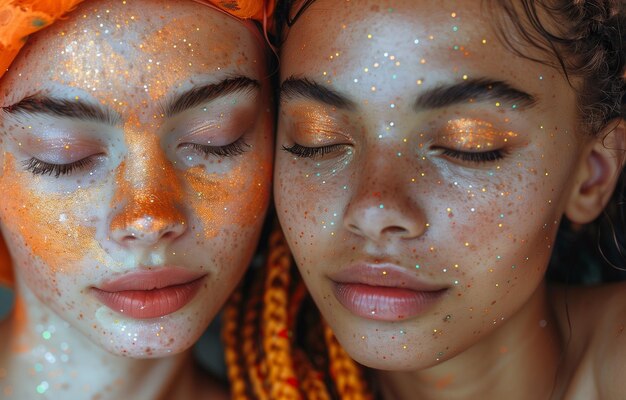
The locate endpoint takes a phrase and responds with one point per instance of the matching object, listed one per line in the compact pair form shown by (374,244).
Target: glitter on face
(462,199)
(32,208)
(474,135)
(58,228)
(141,181)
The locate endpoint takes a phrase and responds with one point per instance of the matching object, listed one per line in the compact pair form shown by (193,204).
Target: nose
(145,221)
(383,207)
(146,206)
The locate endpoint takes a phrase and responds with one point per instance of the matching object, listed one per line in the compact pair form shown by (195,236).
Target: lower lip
(145,304)
(384,303)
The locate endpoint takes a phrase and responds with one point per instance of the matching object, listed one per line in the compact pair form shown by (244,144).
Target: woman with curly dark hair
(428,153)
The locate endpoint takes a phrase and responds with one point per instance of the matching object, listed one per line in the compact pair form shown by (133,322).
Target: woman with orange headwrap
(135,165)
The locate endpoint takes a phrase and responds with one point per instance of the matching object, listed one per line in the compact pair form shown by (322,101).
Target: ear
(601,167)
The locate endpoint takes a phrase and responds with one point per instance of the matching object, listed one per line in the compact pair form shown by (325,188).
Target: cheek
(310,210)
(47,228)
(501,242)
(239,197)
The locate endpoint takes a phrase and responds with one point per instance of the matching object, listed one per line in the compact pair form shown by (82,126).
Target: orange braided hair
(266,356)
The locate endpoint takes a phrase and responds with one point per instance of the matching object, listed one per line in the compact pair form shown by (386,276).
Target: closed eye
(236,148)
(38,167)
(312,152)
(475,157)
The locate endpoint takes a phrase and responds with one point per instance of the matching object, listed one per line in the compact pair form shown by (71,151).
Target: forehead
(152,45)
(406,42)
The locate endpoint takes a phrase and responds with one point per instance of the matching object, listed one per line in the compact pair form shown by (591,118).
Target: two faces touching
(421,171)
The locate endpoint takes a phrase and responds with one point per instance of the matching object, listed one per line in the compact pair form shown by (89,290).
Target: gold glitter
(472,134)
(57,243)
(316,125)
(147,186)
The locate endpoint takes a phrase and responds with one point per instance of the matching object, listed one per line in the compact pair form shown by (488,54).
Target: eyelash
(311,152)
(478,158)
(38,167)
(236,148)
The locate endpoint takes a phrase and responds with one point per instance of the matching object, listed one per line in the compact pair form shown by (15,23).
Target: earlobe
(603,161)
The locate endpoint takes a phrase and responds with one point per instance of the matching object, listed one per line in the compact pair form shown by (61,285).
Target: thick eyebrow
(64,108)
(206,93)
(84,110)
(294,87)
(476,90)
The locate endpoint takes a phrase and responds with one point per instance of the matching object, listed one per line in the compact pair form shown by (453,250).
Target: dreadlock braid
(344,371)
(230,337)
(311,380)
(250,345)
(276,343)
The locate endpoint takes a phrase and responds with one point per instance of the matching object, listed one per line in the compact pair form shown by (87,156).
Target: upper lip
(383,274)
(150,278)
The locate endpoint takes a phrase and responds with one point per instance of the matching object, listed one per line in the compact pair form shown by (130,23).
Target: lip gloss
(149,294)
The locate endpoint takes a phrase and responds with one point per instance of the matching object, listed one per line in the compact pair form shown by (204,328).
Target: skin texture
(392,188)
(147,197)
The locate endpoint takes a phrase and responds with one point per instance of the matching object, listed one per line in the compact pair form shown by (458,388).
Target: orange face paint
(235,198)
(61,237)
(147,185)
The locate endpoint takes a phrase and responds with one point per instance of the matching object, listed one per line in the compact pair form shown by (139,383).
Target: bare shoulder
(609,339)
(594,318)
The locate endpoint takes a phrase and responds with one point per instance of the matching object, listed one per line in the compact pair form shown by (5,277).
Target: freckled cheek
(306,209)
(239,197)
(48,226)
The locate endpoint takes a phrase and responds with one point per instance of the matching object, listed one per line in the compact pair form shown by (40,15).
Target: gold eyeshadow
(316,127)
(468,134)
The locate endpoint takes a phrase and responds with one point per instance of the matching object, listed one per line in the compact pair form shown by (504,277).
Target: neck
(42,353)
(520,358)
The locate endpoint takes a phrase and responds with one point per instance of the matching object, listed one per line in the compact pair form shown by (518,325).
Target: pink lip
(385,292)
(150,293)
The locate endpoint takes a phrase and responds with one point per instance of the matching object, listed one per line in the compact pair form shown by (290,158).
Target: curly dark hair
(585,39)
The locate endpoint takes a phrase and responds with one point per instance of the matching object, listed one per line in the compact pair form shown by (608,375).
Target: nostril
(395,230)
(354,228)
(167,235)
(130,238)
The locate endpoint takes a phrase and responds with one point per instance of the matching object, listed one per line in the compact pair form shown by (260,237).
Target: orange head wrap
(21,18)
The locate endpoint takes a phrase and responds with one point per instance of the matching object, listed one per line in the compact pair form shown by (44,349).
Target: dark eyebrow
(206,93)
(75,109)
(81,109)
(294,87)
(477,90)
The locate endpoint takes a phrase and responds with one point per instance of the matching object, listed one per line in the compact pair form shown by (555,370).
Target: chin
(381,356)
(392,346)
(145,339)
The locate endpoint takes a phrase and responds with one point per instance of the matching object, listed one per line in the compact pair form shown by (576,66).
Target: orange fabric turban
(21,18)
